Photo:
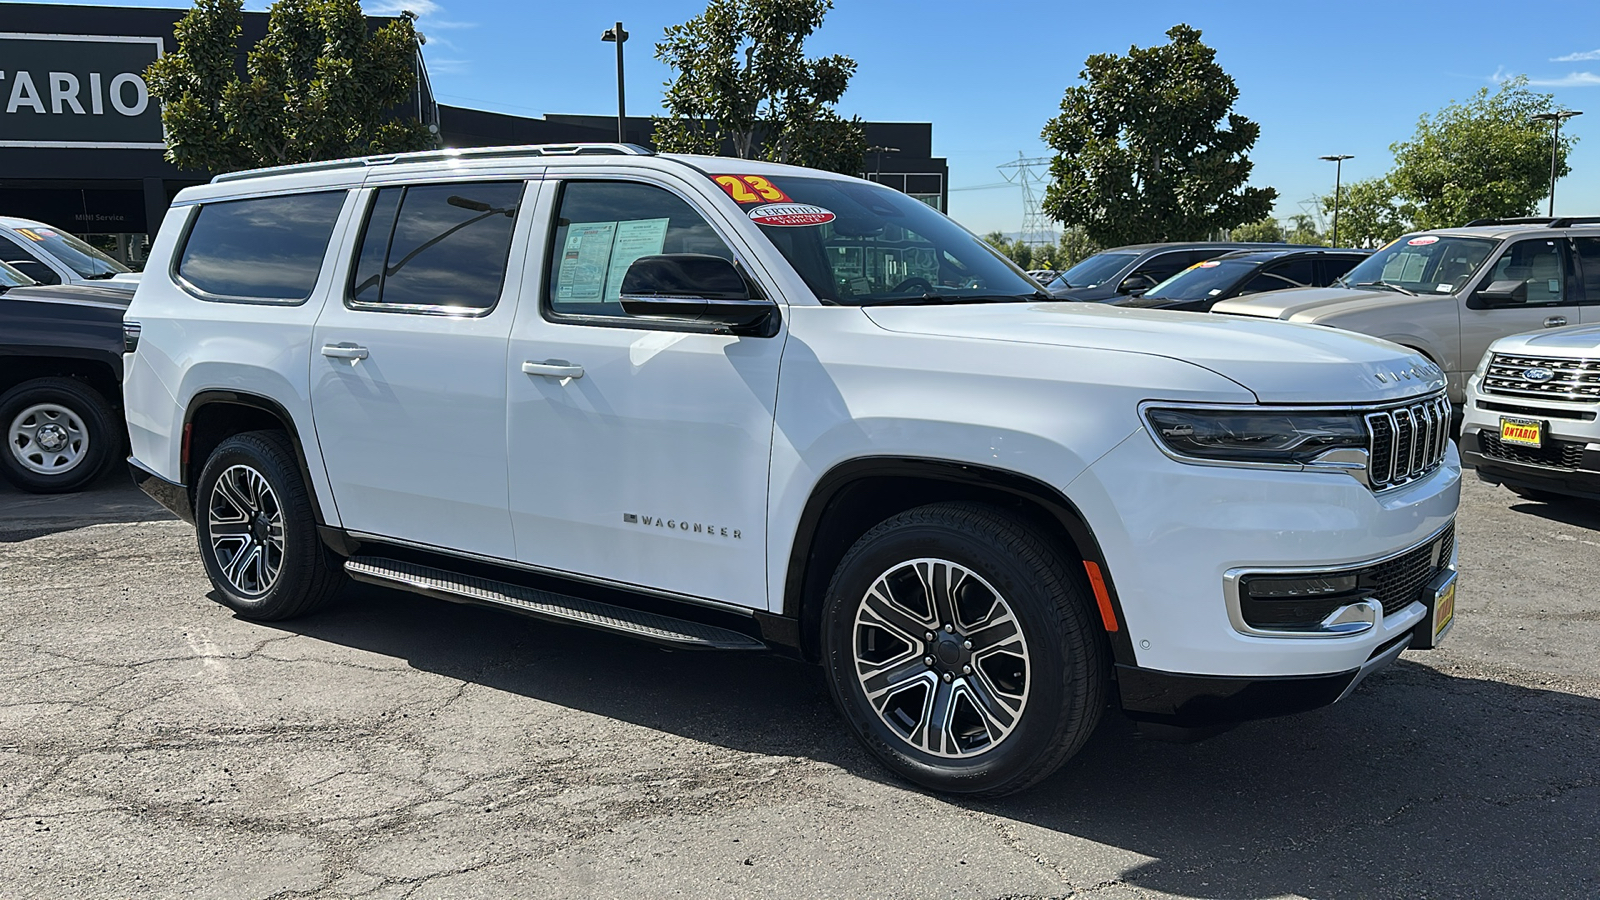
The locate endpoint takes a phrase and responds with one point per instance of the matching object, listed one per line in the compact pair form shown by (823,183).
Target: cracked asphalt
(152,745)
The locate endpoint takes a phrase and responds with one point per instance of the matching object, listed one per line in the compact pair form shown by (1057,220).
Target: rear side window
(436,247)
(265,249)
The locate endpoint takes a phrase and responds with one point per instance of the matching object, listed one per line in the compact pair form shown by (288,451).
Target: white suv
(727,404)
(1531,417)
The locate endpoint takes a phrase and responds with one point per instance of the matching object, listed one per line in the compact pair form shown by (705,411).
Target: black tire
(59,432)
(1064,676)
(263,507)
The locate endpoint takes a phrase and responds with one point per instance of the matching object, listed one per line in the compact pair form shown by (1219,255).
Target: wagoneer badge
(682,525)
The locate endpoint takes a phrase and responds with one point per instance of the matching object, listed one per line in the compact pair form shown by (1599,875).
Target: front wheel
(257,532)
(960,648)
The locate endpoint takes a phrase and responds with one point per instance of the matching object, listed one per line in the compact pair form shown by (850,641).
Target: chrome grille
(1575,379)
(1407,442)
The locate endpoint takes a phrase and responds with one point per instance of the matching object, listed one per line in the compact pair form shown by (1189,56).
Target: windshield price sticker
(752,189)
(791,215)
(1423,241)
(1208,264)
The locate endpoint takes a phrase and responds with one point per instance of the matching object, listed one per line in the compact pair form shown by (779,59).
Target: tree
(1485,158)
(1141,154)
(319,86)
(1266,231)
(1368,216)
(1303,230)
(743,82)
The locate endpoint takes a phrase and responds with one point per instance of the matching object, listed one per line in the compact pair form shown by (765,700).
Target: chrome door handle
(1555,321)
(351,352)
(553,368)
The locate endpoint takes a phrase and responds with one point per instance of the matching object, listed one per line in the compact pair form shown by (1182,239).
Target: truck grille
(1398,583)
(1407,442)
(1553,455)
(1574,379)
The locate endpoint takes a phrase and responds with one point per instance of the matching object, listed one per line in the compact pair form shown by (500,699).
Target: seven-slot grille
(1407,442)
(1572,379)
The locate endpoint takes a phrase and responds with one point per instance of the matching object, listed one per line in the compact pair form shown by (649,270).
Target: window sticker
(1445,287)
(791,215)
(1423,241)
(1208,264)
(597,256)
(30,234)
(751,189)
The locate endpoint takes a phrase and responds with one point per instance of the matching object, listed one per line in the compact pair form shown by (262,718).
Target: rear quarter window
(262,250)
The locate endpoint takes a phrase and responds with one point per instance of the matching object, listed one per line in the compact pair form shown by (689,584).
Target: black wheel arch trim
(801,598)
(271,407)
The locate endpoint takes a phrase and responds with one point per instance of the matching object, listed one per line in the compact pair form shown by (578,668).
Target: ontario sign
(78,90)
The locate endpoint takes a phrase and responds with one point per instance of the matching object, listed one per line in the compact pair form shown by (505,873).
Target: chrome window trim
(1232,581)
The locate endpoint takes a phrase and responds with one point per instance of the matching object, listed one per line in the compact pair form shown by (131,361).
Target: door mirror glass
(1137,283)
(1505,293)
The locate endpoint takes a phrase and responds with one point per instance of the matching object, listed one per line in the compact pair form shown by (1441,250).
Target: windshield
(10,278)
(1422,264)
(1094,271)
(1203,280)
(78,256)
(860,244)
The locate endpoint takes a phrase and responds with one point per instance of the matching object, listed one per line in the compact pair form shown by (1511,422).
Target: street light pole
(1555,142)
(877,167)
(1338,170)
(619,37)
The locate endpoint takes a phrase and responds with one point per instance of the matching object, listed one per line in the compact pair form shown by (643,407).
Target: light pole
(877,165)
(1338,170)
(1555,142)
(619,37)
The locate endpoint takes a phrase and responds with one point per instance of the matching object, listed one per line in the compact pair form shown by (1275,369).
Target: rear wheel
(257,531)
(961,651)
(59,435)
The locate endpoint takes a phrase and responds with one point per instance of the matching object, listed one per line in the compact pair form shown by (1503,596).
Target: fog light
(1273,587)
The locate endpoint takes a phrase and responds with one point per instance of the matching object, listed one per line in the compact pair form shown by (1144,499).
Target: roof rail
(1561,222)
(449,153)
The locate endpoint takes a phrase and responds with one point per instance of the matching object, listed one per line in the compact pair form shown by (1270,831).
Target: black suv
(1121,271)
(1241,272)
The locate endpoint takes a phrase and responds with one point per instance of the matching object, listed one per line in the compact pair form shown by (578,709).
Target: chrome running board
(458,588)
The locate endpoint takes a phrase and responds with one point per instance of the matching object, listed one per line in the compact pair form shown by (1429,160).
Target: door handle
(351,352)
(1555,321)
(553,368)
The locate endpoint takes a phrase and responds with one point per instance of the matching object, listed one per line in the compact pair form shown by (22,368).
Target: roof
(1194,245)
(1264,255)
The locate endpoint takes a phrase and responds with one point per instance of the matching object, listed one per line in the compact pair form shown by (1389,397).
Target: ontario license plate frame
(1521,432)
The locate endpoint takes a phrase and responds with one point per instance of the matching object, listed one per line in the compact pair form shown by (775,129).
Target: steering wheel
(911,285)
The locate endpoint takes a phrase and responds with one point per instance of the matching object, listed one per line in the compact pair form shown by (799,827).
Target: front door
(639,451)
(408,365)
(1541,266)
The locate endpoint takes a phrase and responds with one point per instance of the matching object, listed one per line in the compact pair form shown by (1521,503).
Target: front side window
(1094,271)
(603,227)
(266,249)
(1536,264)
(436,247)
(1422,264)
(10,277)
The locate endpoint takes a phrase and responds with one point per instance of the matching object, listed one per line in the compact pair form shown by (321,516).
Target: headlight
(1261,437)
(1483,364)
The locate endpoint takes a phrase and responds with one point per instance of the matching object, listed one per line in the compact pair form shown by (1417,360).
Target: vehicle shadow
(1421,784)
(1574,511)
(112,498)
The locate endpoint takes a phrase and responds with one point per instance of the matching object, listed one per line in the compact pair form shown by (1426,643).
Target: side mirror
(1504,293)
(1137,283)
(694,287)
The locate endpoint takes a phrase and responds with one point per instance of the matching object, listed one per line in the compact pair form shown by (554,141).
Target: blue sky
(1320,78)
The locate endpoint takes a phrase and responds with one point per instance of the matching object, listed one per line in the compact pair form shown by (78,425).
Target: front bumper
(173,496)
(1495,464)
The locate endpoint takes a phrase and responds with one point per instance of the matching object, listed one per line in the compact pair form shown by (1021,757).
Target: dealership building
(81,144)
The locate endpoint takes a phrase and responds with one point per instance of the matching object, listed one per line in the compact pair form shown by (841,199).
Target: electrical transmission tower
(1031,174)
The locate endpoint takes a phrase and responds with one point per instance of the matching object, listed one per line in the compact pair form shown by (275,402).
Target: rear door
(408,363)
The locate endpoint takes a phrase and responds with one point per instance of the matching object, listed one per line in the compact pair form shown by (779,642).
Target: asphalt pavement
(153,745)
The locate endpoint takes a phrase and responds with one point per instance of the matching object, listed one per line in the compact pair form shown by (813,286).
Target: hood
(116,298)
(1294,301)
(1576,341)
(1279,362)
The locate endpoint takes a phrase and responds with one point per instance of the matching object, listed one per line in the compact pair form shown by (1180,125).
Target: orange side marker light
(1102,598)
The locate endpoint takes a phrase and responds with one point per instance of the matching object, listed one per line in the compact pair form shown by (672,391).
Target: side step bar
(457,588)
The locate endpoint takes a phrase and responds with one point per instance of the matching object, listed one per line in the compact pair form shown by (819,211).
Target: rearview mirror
(1504,293)
(694,287)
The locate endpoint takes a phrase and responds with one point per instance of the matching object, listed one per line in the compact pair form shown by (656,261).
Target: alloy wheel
(941,658)
(245,523)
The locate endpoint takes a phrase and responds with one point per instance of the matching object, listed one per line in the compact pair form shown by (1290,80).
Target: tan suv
(1448,293)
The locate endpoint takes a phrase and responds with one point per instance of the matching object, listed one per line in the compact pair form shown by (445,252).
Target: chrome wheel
(941,658)
(245,524)
(48,438)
